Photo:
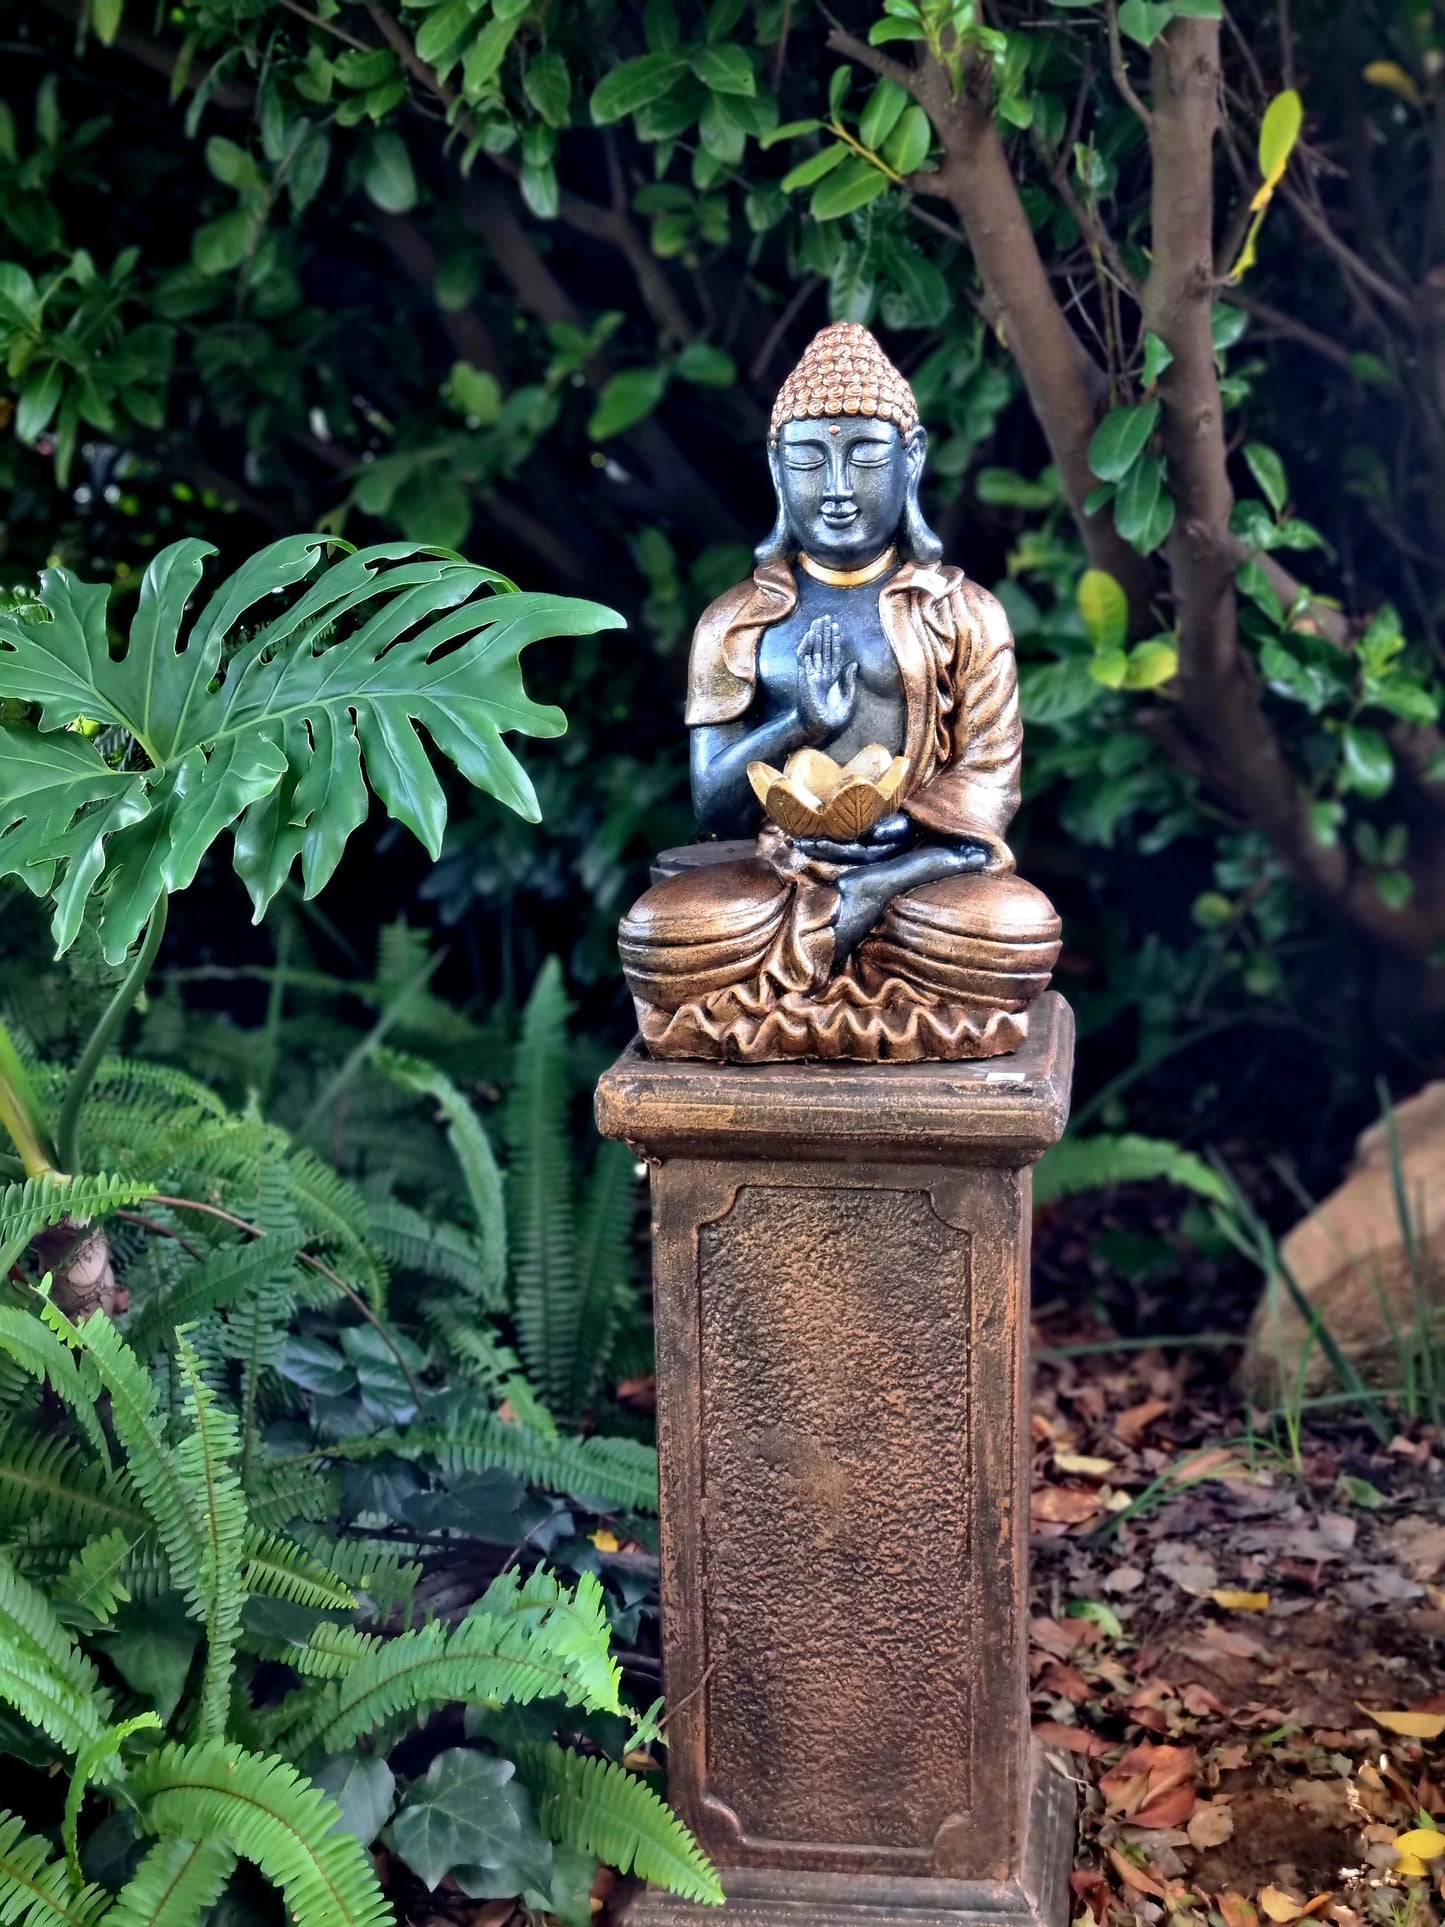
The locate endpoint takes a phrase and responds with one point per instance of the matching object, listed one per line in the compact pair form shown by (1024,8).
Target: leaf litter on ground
(1237,1650)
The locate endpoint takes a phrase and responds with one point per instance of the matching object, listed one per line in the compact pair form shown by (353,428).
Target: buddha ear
(780,543)
(916,537)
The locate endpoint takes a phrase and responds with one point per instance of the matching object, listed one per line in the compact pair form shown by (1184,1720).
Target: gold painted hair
(844,372)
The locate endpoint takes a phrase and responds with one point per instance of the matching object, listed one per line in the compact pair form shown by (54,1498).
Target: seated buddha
(905,934)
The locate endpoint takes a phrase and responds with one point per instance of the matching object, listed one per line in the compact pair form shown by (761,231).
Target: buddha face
(844,482)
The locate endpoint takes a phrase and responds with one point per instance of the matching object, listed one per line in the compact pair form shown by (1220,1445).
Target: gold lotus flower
(814,796)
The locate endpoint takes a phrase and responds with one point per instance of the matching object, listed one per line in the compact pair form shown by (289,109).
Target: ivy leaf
(1268,470)
(458,1816)
(1369,767)
(1143,508)
(724,70)
(851,186)
(1120,439)
(628,398)
(271,727)
(364,1787)
(635,84)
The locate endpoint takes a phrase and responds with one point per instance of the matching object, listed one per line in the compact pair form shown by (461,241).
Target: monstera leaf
(269,724)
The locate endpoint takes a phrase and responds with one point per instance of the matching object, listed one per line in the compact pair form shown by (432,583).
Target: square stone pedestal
(840,1262)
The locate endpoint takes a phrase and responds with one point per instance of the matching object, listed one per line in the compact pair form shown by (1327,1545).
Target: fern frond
(599,1806)
(224,1279)
(265,1812)
(96,1762)
(497,1366)
(380,1575)
(546,1293)
(92,1588)
(38,1350)
(168,1491)
(486,1660)
(38,1203)
(1089,1163)
(475,1157)
(577,1623)
(410,1241)
(604,1266)
(45,1700)
(277,1495)
(612,1473)
(36,1891)
(206,1460)
(31,1626)
(45,1476)
(176,1885)
(281,1569)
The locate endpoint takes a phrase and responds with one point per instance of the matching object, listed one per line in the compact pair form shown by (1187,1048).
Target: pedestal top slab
(996,1110)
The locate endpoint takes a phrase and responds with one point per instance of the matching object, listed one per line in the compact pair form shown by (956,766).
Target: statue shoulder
(723,666)
(985,614)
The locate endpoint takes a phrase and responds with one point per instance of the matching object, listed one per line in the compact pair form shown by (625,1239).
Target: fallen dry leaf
(1073,1739)
(1237,1911)
(1239,1602)
(1209,1826)
(1067,1505)
(1152,1786)
(1135,1877)
(1413,1726)
(1086,1467)
(1058,1637)
(1132,1424)
(1279,1905)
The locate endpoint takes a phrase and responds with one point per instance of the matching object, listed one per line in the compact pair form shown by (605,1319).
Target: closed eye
(804,458)
(871,455)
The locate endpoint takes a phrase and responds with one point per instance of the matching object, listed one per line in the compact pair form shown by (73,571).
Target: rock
(1350,1259)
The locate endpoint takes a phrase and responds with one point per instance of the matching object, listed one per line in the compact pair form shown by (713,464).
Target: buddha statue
(877,915)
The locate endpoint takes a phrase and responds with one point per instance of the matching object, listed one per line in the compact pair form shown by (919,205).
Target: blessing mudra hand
(827,681)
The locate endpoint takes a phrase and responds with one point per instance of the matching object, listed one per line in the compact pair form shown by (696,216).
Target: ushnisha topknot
(844,372)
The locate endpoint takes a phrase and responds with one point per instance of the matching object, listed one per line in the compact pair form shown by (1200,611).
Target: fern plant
(149,1506)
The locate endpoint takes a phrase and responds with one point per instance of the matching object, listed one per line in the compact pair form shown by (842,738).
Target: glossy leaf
(1104,608)
(1120,439)
(1143,508)
(275,729)
(634,84)
(848,187)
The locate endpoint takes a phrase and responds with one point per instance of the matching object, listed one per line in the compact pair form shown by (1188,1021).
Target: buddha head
(846,449)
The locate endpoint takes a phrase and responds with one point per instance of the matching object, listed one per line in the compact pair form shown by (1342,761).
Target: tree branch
(978,184)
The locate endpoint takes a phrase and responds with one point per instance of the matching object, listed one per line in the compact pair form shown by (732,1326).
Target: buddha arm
(866,892)
(722,796)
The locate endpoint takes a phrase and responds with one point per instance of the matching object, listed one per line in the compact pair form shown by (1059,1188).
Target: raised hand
(827,681)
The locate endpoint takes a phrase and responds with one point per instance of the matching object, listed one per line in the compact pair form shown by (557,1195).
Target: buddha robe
(735,958)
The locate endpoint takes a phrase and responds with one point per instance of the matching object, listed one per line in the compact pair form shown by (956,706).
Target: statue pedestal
(840,1262)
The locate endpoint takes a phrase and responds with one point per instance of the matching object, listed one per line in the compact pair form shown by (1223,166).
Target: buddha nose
(840,483)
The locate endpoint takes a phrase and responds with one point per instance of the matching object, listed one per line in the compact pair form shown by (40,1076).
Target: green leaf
(1369,767)
(634,84)
(1104,608)
(1120,439)
(271,739)
(724,70)
(1078,1164)
(153,1648)
(386,173)
(221,246)
(906,148)
(627,398)
(547,83)
(882,113)
(846,188)
(712,367)
(484,57)
(1144,20)
(807,172)
(1278,132)
(1268,470)
(597,1804)
(790,130)
(364,1787)
(1158,355)
(1053,692)
(460,1815)
(1143,508)
(1152,663)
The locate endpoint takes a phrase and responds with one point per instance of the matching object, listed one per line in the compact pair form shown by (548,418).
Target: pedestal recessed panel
(835,1358)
